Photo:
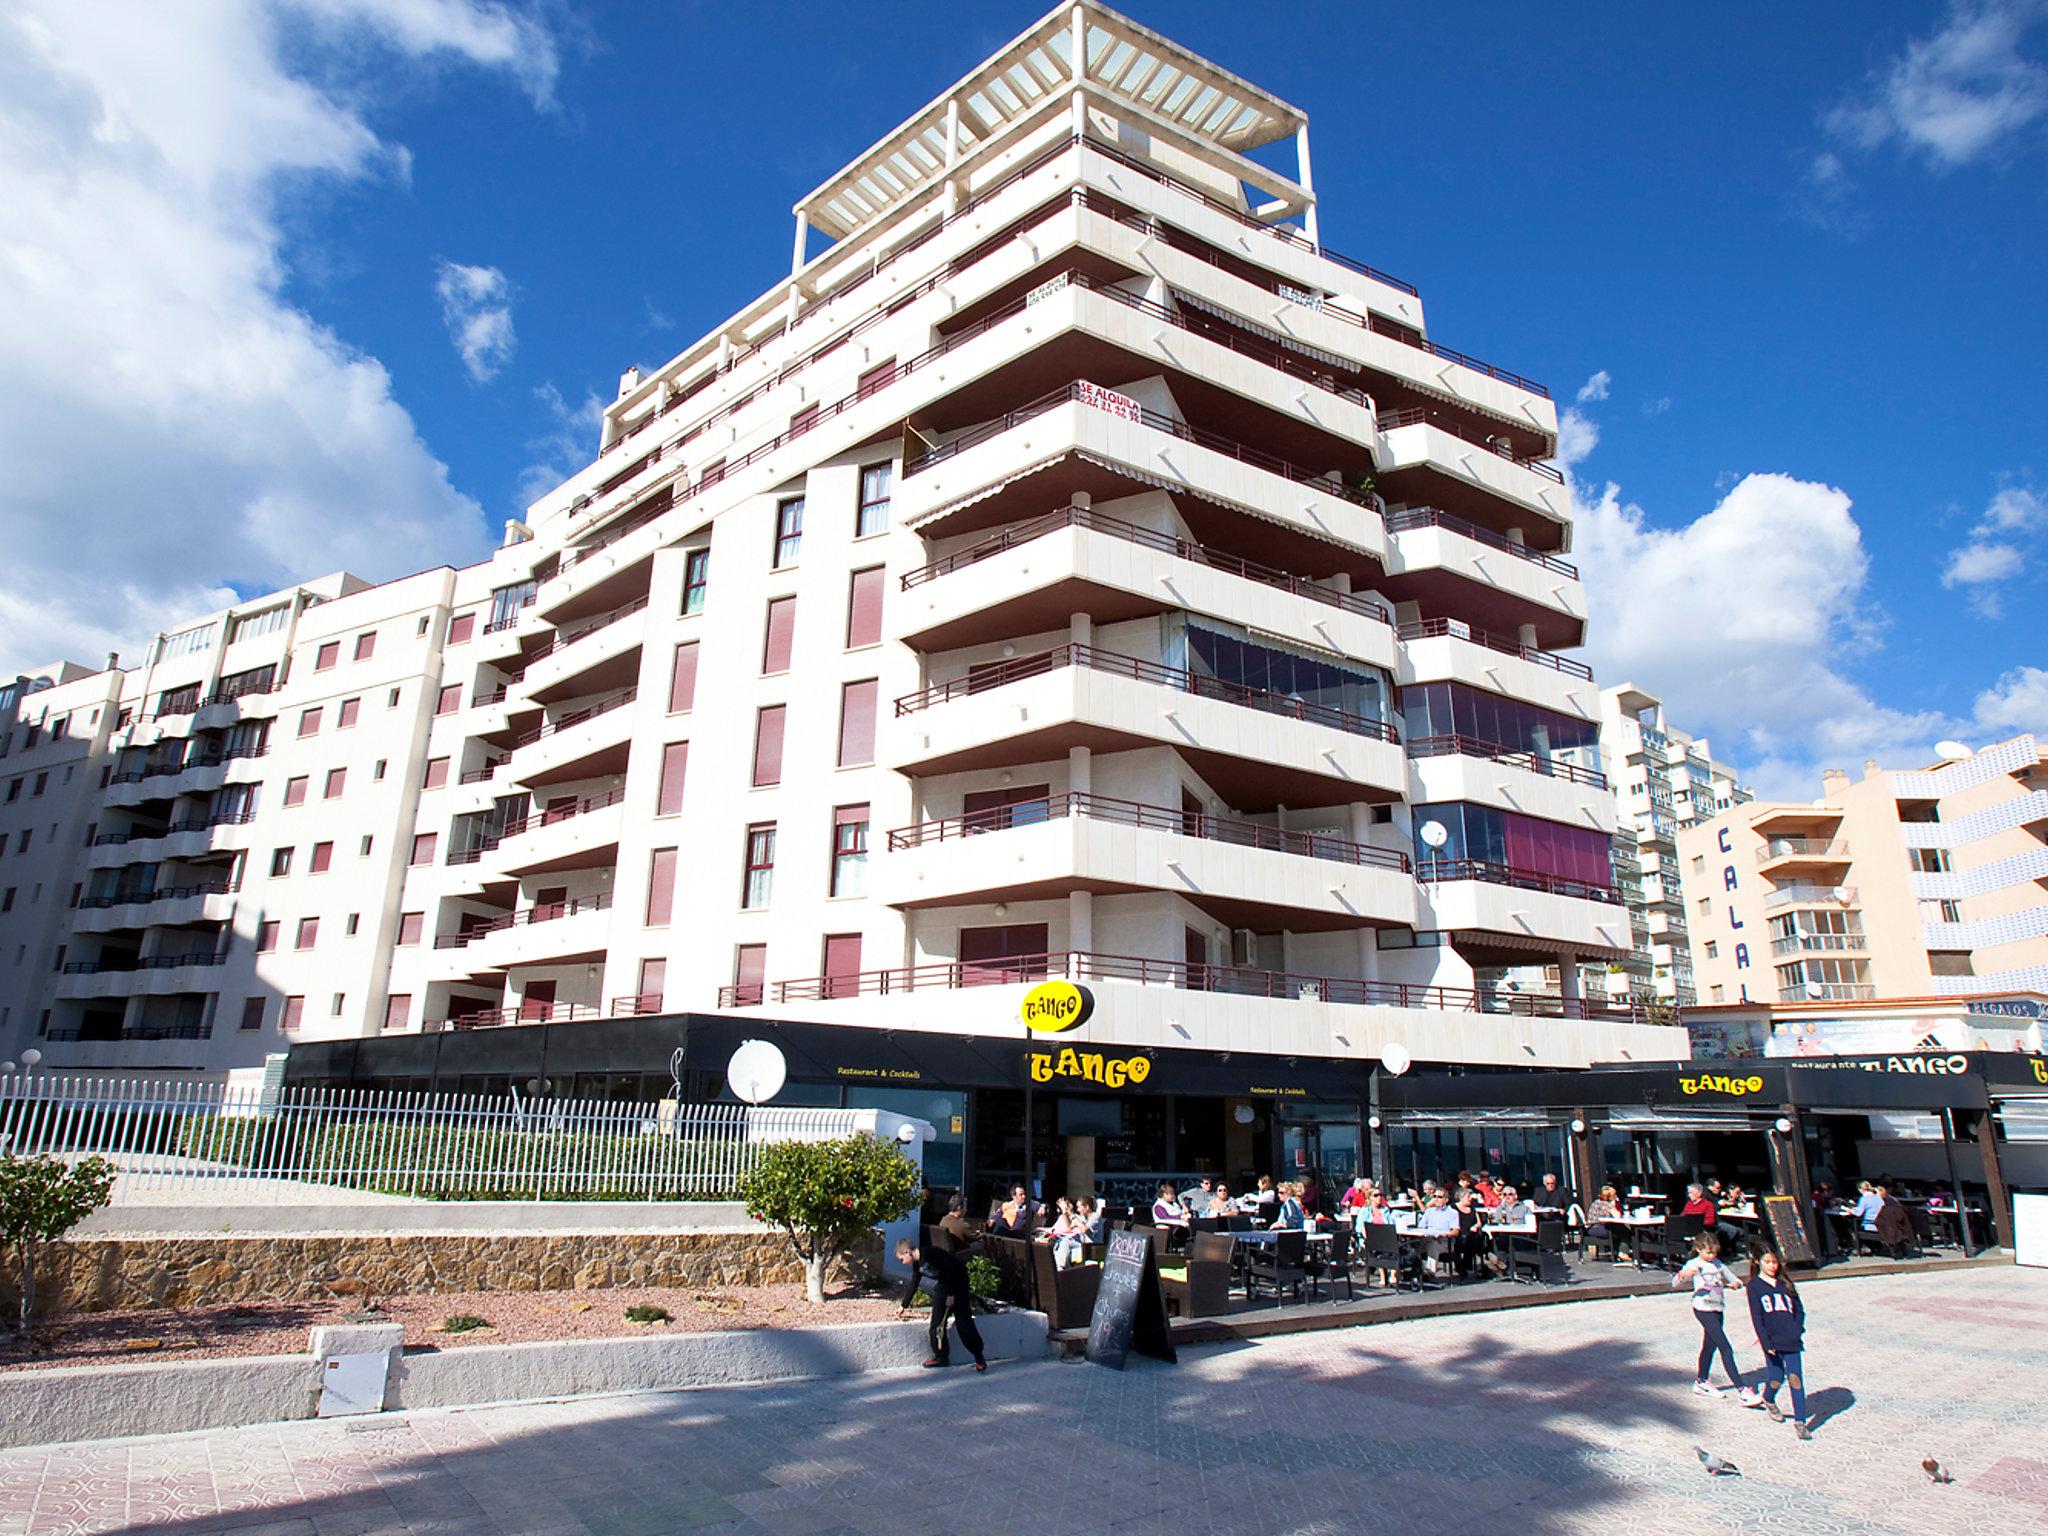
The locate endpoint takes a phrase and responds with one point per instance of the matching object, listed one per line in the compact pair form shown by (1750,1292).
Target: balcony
(1811,896)
(1259,875)
(598,653)
(1818,943)
(1436,457)
(583,743)
(1780,854)
(1256,748)
(559,932)
(1447,564)
(581,835)
(144,976)
(1828,992)
(172,906)
(1028,579)
(1453,629)
(1512,757)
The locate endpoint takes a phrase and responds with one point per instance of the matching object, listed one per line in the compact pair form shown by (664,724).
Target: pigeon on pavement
(1936,1472)
(1716,1466)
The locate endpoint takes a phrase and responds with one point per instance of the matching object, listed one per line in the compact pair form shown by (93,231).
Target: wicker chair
(1202,1288)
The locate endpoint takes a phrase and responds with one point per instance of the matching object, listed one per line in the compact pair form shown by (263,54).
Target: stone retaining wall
(110,1274)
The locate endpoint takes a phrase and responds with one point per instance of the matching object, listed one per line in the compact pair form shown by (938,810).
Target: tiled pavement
(1575,1418)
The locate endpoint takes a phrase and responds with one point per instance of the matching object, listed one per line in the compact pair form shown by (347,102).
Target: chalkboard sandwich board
(1788,1230)
(1130,1307)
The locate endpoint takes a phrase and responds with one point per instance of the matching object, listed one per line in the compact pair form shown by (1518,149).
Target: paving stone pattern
(1576,1418)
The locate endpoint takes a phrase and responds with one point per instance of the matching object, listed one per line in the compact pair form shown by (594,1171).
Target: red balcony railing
(1132,533)
(568,637)
(1429,517)
(1154,818)
(1236,981)
(1433,629)
(546,912)
(524,1013)
(1444,421)
(1513,757)
(1432,870)
(574,718)
(1179,679)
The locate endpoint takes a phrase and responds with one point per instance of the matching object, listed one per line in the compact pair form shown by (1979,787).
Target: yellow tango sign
(2040,1070)
(1089,1067)
(1054,1007)
(1713,1083)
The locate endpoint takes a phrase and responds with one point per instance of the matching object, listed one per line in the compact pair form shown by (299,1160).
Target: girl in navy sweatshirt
(1780,1320)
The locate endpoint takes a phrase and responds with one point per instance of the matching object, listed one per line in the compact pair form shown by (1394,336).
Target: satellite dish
(1951,751)
(1435,833)
(1395,1059)
(756,1072)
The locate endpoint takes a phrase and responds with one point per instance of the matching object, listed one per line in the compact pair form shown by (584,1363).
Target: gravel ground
(516,1317)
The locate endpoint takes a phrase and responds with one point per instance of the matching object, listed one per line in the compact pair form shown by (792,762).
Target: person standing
(950,1290)
(1711,1280)
(1779,1317)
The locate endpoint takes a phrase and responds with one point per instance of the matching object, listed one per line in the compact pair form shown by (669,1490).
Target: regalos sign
(1089,1067)
(1054,1007)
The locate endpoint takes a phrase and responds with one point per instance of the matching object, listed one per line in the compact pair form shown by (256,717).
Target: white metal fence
(193,1142)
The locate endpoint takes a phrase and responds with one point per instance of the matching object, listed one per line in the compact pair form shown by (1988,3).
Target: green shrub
(827,1195)
(40,1200)
(983,1278)
(646,1315)
(463,1322)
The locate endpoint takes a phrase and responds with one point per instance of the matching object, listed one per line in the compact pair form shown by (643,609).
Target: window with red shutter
(842,965)
(350,709)
(294,1010)
(675,763)
(323,858)
(328,654)
(266,938)
(252,1013)
(857,724)
(295,790)
(749,974)
(450,700)
(337,780)
(777,634)
(461,627)
(682,678)
(410,926)
(768,726)
(437,773)
(653,985)
(309,723)
(879,377)
(661,887)
(397,1010)
(366,645)
(864,608)
(423,846)
(309,933)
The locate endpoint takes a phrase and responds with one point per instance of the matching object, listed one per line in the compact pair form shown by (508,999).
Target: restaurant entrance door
(1319,1141)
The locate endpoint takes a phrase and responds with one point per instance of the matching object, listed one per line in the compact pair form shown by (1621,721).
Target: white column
(1527,633)
(1081,921)
(1080,629)
(1567,975)
(796,255)
(1080,770)
(1306,177)
(1078,33)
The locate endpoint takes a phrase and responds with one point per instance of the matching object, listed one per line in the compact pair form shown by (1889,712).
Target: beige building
(1928,882)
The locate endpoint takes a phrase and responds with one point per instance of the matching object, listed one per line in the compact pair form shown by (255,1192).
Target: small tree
(827,1195)
(40,1200)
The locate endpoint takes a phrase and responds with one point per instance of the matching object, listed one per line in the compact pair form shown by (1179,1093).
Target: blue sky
(284,260)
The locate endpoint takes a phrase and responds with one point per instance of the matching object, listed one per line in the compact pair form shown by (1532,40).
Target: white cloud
(566,445)
(476,306)
(155,385)
(1658,406)
(1962,93)
(1596,388)
(1999,547)
(1577,436)
(2017,702)
(1982,562)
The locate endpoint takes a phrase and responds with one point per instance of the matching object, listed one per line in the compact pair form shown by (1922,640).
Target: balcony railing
(570,636)
(1154,818)
(1432,629)
(574,718)
(546,912)
(525,1013)
(546,818)
(1444,421)
(190,824)
(1132,533)
(1808,942)
(1088,393)
(1432,870)
(1236,981)
(165,893)
(1176,678)
(510,620)
(480,775)
(124,964)
(1836,851)
(1513,757)
(1811,896)
(1828,992)
(1430,517)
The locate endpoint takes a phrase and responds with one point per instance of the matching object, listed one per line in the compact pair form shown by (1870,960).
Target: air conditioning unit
(1244,947)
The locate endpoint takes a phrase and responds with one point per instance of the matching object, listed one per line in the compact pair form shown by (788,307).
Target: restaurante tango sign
(1090,1067)
(1713,1082)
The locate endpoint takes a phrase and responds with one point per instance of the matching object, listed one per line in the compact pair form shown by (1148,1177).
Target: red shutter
(350,708)
(857,723)
(675,762)
(410,926)
(768,744)
(881,376)
(537,1001)
(749,973)
(653,985)
(437,772)
(294,1010)
(461,627)
(842,964)
(661,887)
(781,629)
(450,700)
(323,858)
(803,421)
(327,655)
(366,645)
(864,608)
(682,678)
(423,846)
(397,1009)
(295,791)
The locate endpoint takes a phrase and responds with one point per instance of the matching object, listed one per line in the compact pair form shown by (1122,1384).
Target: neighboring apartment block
(1664,781)
(1074,569)
(1924,883)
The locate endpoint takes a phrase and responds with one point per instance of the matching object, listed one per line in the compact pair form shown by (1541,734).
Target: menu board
(1130,1308)
(1788,1230)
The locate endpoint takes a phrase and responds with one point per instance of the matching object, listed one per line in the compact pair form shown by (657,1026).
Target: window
(760,872)
(873,516)
(328,654)
(350,708)
(294,1011)
(1717,992)
(661,887)
(803,421)
(42,783)
(1928,861)
(437,773)
(423,846)
(323,858)
(653,984)
(1713,950)
(410,926)
(377,771)
(789,531)
(1951,911)
(335,1007)
(461,627)
(309,722)
(280,863)
(353,925)
(295,790)
(364,850)
(7,898)
(696,579)
(675,763)
(1706,906)
(450,700)
(252,1013)
(850,850)
(366,645)
(425,620)
(682,678)
(391,699)
(749,974)
(337,779)
(879,377)
(21,843)
(864,608)
(309,933)
(508,602)
(13,790)
(250,625)
(777,634)
(266,938)
(397,1010)
(1699,864)
(857,723)
(768,724)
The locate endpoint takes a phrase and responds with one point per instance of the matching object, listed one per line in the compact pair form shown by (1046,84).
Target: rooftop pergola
(1128,72)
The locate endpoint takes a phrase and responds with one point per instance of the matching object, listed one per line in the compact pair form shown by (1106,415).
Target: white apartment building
(1071,569)
(1664,780)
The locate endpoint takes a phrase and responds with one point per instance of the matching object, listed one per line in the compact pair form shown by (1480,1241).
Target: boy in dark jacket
(1780,1321)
